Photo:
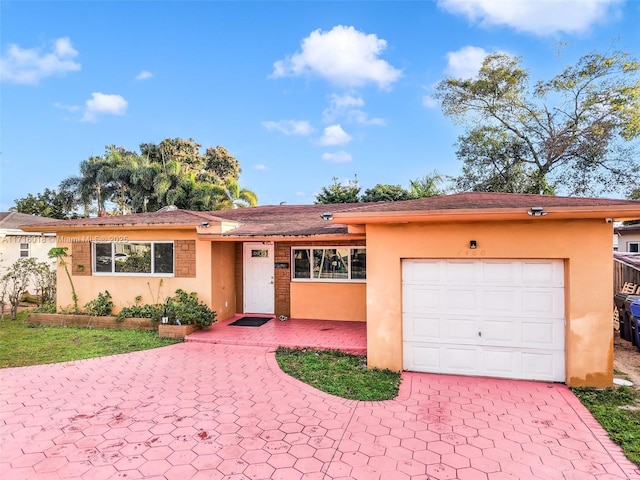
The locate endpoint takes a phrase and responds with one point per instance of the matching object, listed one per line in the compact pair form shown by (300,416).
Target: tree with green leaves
(231,196)
(60,254)
(571,134)
(50,203)
(345,192)
(172,172)
(385,193)
(15,282)
(427,186)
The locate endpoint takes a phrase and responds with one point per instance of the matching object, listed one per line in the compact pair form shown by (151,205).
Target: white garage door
(497,318)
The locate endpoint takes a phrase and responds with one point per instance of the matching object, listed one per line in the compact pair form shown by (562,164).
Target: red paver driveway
(207,411)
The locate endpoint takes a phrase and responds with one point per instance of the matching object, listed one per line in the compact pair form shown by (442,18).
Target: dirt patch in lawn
(626,358)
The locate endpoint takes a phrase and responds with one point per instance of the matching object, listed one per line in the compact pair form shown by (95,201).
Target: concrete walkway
(210,411)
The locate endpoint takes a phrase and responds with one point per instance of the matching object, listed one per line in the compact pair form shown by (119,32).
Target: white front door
(258,277)
(498,318)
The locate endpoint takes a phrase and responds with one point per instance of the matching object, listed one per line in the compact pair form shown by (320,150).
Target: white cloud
(334,135)
(144,75)
(337,157)
(344,56)
(104,104)
(540,17)
(69,108)
(358,116)
(347,106)
(289,127)
(301,194)
(260,167)
(466,62)
(29,66)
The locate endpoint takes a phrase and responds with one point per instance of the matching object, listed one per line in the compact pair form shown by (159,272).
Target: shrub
(153,312)
(101,306)
(185,309)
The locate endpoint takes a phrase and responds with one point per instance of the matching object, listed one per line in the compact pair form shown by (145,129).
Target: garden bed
(90,321)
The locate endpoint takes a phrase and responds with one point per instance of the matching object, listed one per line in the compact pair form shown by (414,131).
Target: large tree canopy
(574,134)
(172,172)
(349,191)
(50,203)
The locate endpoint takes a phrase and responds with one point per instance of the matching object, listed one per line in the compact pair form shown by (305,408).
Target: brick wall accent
(185,258)
(282,279)
(239,279)
(81,259)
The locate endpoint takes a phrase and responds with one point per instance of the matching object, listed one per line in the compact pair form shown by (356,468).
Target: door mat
(250,321)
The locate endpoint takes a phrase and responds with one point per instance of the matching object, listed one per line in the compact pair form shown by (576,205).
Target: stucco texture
(583,245)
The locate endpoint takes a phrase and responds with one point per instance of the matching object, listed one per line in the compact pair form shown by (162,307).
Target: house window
(24,250)
(329,263)
(134,258)
(633,247)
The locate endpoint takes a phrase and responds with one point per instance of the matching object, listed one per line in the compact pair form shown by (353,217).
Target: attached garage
(486,317)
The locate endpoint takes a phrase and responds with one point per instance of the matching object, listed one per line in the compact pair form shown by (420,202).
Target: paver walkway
(211,411)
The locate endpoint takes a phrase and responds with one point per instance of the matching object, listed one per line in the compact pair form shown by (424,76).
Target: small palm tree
(233,196)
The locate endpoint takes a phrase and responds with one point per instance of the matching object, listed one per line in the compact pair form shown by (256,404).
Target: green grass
(22,345)
(339,374)
(622,424)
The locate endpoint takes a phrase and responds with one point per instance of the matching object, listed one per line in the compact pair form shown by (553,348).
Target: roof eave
(280,238)
(613,212)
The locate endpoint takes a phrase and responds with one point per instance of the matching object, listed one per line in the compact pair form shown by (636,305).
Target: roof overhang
(281,238)
(610,213)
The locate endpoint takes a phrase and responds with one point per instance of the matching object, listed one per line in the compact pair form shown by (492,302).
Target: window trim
(113,273)
(325,280)
(636,244)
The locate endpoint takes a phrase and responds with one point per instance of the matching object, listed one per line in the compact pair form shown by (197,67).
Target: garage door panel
(499,363)
(543,303)
(498,301)
(499,272)
(423,358)
(541,365)
(422,299)
(459,359)
(498,332)
(460,272)
(422,272)
(502,318)
(458,300)
(543,272)
(422,328)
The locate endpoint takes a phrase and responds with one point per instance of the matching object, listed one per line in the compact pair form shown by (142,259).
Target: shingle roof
(285,220)
(173,217)
(305,220)
(482,200)
(13,220)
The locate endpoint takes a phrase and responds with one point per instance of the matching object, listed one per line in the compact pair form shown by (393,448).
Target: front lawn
(22,345)
(339,373)
(617,410)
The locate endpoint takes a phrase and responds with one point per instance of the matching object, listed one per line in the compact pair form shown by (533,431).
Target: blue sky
(299,92)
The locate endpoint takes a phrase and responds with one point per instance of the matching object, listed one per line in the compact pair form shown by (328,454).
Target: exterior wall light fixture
(473,244)
(537,212)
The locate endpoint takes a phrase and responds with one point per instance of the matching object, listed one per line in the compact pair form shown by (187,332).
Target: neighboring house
(628,237)
(502,285)
(16,243)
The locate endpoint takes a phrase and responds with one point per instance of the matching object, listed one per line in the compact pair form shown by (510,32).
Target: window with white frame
(24,250)
(633,247)
(133,258)
(329,263)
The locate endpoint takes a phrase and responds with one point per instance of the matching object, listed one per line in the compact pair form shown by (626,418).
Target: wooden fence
(624,273)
